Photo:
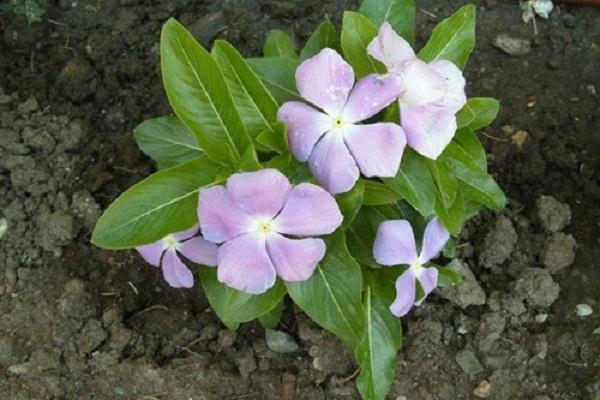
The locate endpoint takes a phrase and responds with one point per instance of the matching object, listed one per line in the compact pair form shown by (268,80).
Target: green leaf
(279,44)
(479,112)
(448,277)
(274,139)
(350,203)
(377,194)
(167,141)
(444,179)
(452,217)
(271,319)
(383,282)
(357,33)
(296,171)
(453,39)
(278,74)
(332,296)
(163,203)
(376,352)
(249,161)
(479,186)
(254,102)
(399,13)
(414,183)
(198,94)
(466,148)
(597,331)
(324,36)
(233,306)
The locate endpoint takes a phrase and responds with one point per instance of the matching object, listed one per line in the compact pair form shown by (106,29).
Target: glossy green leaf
(233,306)
(479,186)
(377,194)
(296,171)
(167,141)
(479,112)
(399,13)
(452,217)
(350,202)
(332,296)
(414,182)
(597,331)
(357,33)
(376,352)
(279,44)
(383,282)
(278,74)
(254,102)
(444,179)
(274,139)
(453,39)
(271,319)
(466,148)
(324,36)
(163,203)
(448,277)
(198,94)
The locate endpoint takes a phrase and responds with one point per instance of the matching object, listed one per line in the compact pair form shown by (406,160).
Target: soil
(78,322)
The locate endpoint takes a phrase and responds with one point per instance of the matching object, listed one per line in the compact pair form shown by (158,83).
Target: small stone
(537,287)
(583,310)
(226,338)
(280,342)
(499,243)
(483,390)
(553,214)
(558,252)
(468,362)
(513,46)
(3,227)
(468,292)
(541,318)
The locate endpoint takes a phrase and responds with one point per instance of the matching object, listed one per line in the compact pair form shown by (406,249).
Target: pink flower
(395,244)
(335,146)
(163,253)
(431,93)
(252,215)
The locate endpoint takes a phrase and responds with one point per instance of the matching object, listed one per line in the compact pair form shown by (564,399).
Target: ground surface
(80,323)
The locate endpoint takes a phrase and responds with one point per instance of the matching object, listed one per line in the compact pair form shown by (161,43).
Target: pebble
(541,318)
(280,342)
(558,252)
(584,310)
(512,46)
(554,215)
(483,390)
(468,362)
(226,338)
(468,293)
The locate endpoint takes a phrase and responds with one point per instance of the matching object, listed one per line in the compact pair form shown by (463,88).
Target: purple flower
(163,253)
(395,244)
(252,215)
(431,93)
(329,138)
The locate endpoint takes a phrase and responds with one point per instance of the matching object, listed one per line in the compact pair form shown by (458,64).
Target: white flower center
(170,242)
(416,266)
(265,227)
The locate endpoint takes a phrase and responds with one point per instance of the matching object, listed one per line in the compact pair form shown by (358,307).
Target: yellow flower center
(171,242)
(265,228)
(337,122)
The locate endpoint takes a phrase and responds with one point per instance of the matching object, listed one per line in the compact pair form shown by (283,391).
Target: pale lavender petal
(429,129)
(325,80)
(243,264)
(428,277)
(309,210)
(295,259)
(405,293)
(220,217)
(184,235)
(199,250)
(377,148)
(152,252)
(390,48)
(370,95)
(332,164)
(455,96)
(175,272)
(434,240)
(261,193)
(422,84)
(305,125)
(395,243)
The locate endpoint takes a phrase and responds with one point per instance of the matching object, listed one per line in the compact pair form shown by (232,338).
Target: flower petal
(428,277)
(305,126)
(332,164)
(184,235)
(377,148)
(423,84)
(390,48)
(429,129)
(243,264)
(260,193)
(295,259)
(395,243)
(152,252)
(325,80)
(370,95)
(175,272)
(309,210)
(199,251)
(405,293)
(434,239)
(455,97)
(220,217)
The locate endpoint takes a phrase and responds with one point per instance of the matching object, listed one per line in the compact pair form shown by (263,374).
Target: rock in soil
(537,287)
(554,215)
(512,46)
(499,243)
(559,252)
(468,362)
(468,292)
(280,342)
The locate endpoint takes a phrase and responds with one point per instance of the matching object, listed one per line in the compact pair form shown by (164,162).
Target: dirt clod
(537,287)
(559,252)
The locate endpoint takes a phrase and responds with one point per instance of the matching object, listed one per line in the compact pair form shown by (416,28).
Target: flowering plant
(308,174)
